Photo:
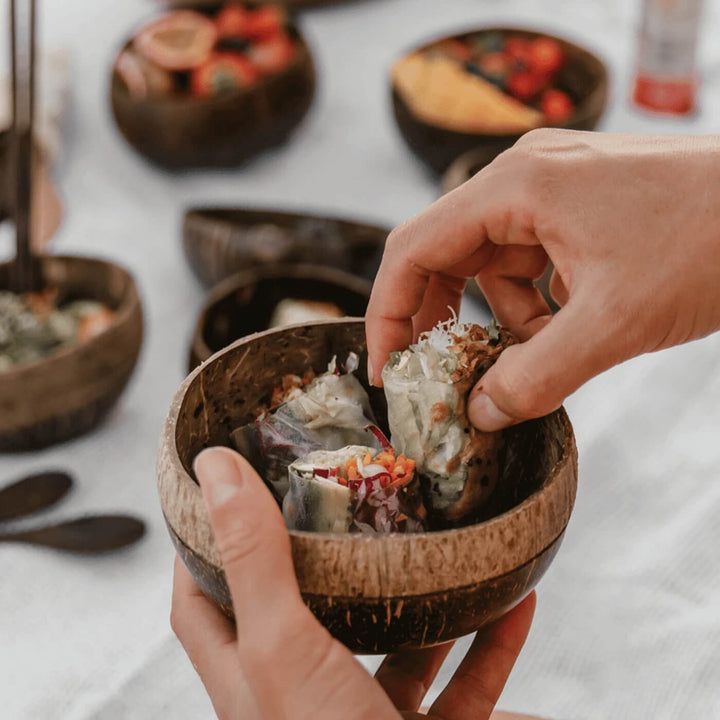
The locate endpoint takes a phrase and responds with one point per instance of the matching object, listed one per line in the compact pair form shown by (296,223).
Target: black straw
(22,44)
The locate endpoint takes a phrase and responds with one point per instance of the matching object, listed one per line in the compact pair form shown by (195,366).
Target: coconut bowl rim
(588,109)
(304,271)
(129,304)
(173,476)
(201,212)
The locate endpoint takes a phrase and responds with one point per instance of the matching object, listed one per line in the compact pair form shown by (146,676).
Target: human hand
(632,226)
(277,661)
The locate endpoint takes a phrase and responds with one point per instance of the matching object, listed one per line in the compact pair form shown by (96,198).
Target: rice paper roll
(307,413)
(427,387)
(354,489)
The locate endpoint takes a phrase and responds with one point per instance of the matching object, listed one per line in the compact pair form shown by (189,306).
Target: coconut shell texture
(219,242)
(375,594)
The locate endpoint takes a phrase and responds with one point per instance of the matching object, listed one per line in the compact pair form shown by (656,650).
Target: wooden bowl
(384,592)
(219,242)
(70,392)
(584,78)
(181,132)
(244,303)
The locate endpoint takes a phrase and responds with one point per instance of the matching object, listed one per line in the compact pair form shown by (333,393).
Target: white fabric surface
(628,620)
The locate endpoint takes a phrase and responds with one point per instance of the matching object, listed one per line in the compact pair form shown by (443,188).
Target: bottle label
(665,77)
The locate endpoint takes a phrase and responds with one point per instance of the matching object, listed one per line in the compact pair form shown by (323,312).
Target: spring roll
(307,413)
(426,388)
(354,489)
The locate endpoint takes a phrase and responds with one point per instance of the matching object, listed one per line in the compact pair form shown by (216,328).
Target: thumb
(253,543)
(533,378)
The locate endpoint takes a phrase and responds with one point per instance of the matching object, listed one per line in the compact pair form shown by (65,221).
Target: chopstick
(22,43)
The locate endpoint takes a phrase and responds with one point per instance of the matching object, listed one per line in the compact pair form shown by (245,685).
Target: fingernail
(485,415)
(219,476)
(370,371)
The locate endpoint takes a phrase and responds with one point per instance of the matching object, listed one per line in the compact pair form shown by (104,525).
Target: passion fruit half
(180,40)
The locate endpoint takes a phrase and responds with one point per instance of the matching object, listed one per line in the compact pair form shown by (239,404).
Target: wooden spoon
(91,534)
(33,493)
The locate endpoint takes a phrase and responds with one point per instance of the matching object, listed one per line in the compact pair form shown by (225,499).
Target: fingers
(534,378)
(209,641)
(442,298)
(253,542)
(455,237)
(507,283)
(476,685)
(558,290)
(407,675)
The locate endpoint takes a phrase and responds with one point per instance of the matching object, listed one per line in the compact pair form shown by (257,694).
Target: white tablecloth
(628,620)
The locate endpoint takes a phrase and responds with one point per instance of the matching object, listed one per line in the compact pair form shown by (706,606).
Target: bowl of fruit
(211,87)
(482,89)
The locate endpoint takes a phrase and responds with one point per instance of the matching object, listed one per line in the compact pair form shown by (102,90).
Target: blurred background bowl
(583,77)
(70,392)
(245,303)
(180,131)
(219,242)
(384,592)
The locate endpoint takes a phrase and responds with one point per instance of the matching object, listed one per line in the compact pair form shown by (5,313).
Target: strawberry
(517,49)
(233,21)
(222,72)
(545,57)
(272,55)
(524,85)
(266,21)
(556,106)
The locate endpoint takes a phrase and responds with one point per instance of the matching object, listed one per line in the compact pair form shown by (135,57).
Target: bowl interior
(244,304)
(79,278)
(224,393)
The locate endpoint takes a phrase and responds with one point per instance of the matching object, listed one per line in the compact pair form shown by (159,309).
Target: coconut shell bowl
(252,301)
(70,391)
(213,86)
(485,88)
(380,593)
(219,242)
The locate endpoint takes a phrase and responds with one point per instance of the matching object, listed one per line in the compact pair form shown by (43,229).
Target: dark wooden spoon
(91,534)
(33,493)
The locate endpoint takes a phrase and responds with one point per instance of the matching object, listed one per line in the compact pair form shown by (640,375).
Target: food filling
(34,326)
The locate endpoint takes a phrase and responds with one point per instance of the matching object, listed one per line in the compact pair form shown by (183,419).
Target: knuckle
(398,238)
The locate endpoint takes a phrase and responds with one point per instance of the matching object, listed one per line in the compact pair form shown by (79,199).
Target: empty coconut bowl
(183,115)
(219,242)
(70,391)
(479,115)
(389,591)
(255,300)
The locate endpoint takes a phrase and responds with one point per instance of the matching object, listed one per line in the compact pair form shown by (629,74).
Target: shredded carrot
(367,459)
